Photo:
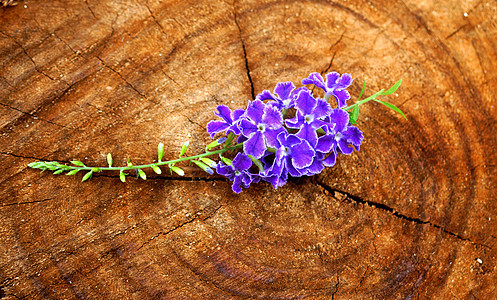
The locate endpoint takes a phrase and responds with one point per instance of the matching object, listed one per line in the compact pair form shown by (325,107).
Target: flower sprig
(288,132)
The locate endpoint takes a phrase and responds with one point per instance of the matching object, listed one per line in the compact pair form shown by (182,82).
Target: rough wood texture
(411,216)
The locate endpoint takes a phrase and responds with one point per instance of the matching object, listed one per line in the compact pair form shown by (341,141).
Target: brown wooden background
(413,215)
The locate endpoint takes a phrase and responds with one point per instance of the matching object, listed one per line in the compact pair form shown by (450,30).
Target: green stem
(160,163)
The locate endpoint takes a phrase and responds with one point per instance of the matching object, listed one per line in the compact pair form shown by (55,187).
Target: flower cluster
(290,132)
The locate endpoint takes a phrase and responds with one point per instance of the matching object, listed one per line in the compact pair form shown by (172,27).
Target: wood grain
(411,216)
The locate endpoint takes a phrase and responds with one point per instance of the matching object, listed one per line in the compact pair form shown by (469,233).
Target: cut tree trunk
(412,215)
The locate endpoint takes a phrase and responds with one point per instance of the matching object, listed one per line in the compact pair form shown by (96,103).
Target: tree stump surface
(413,215)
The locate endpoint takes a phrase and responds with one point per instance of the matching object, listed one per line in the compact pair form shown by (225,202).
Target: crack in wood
(235,17)
(27,202)
(155,20)
(33,115)
(397,214)
(196,215)
(120,76)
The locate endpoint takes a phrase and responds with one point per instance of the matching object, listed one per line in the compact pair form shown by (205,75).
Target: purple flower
(260,125)
(309,110)
(339,134)
(334,85)
(293,156)
(285,95)
(229,123)
(238,172)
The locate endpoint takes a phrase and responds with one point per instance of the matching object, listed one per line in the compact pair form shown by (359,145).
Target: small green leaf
(208,162)
(184,148)
(257,162)
(87,176)
(355,114)
(72,172)
(178,171)
(122,176)
(229,140)
(129,164)
(160,151)
(203,166)
(78,163)
(216,143)
(391,106)
(142,174)
(109,159)
(58,172)
(362,91)
(156,169)
(96,169)
(227,161)
(393,88)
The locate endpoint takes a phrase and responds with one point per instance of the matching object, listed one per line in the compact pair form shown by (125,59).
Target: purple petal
(308,133)
(326,143)
(353,135)
(284,89)
(214,127)
(271,137)
(293,171)
(292,140)
(322,109)
(237,114)
(302,155)
(282,137)
(316,79)
(248,128)
(340,118)
(330,160)
(266,95)
(255,145)
(344,147)
(225,113)
(316,167)
(296,121)
(305,102)
(242,162)
(237,181)
(272,117)
(344,81)
(224,170)
(341,96)
(255,111)
(331,79)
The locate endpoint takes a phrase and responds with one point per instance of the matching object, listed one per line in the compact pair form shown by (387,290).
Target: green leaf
(203,166)
(122,176)
(391,106)
(160,151)
(58,172)
(78,163)
(257,162)
(129,164)
(177,170)
(87,176)
(109,159)
(184,148)
(362,91)
(142,174)
(72,172)
(156,169)
(393,88)
(227,161)
(208,162)
(215,143)
(355,114)
(229,140)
